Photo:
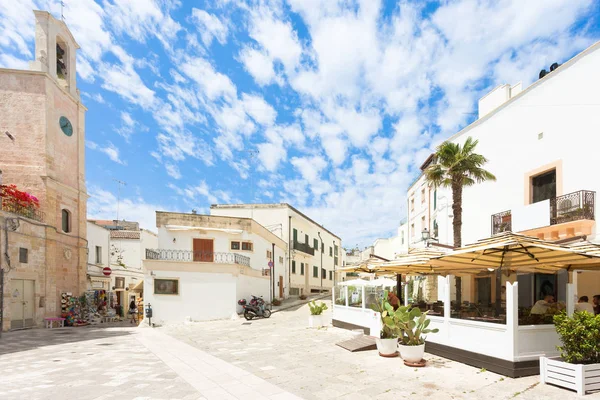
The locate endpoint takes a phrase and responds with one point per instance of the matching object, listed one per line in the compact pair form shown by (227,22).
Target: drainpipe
(289,252)
(321,271)
(273,270)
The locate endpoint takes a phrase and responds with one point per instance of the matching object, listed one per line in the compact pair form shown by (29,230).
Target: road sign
(106,271)
(270,264)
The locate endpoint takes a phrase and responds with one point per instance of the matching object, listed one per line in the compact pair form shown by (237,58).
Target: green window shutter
(293,267)
(434,199)
(295,235)
(315,271)
(301,268)
(316,244)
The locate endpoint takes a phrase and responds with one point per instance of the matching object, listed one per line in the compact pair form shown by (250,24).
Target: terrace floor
(276,359)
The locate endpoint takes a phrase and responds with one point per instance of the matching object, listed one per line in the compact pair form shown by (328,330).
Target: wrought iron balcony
(197,256)
(27,212)
(574,206)
(570,207)
(304,247)
(501,222)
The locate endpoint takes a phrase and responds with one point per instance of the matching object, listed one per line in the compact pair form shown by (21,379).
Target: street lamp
(425,235)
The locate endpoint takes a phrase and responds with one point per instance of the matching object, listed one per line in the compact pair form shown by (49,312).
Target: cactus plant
(317,309)
(413,325)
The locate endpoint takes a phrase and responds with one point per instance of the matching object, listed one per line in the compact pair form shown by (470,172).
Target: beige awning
(515,252)
(139,287)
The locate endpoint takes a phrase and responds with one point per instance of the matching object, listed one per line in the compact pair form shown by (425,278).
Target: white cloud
(103,204)
(214,84)
(109,149)
(173,171)
(10,61)
(209,26)
(260,111)
(259,65)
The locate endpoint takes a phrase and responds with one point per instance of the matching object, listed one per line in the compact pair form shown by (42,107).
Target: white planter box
(315,321)
(578,377)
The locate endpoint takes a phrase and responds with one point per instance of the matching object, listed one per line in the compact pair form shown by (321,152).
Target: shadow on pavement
(29,339)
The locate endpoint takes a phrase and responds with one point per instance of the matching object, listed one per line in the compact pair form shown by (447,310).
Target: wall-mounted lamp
(174,240)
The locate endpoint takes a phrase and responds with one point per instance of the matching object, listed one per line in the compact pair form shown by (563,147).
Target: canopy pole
(499,284)
(399,287)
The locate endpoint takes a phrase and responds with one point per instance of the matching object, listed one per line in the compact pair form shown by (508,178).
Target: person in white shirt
(583,305)
(542,306)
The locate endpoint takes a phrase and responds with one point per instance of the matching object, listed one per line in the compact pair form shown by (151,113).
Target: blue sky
(328,105)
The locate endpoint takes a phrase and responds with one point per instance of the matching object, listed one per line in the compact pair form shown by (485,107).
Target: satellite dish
(554,66)
(543,73)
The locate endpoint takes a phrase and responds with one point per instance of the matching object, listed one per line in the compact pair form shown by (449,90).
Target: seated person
(596,300)
(393,300)
(583,305)
(542,306)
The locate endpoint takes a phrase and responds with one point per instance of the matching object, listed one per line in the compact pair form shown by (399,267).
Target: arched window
(66,221)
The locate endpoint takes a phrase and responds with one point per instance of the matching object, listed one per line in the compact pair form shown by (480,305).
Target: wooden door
(280,287)
(22,303)
(203,250)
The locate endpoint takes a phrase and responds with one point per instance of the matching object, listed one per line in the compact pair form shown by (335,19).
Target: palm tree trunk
(457,229)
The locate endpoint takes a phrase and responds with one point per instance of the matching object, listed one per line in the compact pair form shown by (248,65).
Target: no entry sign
(106,271)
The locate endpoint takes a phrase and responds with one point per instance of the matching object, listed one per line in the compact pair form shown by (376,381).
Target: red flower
(11,196)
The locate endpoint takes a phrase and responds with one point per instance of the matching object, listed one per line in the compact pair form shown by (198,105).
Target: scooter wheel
(248,315)
(267,313)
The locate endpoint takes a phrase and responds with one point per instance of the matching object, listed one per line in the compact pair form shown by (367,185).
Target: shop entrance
(22,303)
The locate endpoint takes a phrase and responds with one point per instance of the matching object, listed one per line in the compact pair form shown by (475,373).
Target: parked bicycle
(256,308)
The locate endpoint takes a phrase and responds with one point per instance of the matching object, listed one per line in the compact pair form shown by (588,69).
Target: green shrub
(580,337)
(317,309)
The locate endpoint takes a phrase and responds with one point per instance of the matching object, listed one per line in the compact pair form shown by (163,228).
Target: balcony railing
(574,206)
(304,247)
(501,222)
(197,256)
(27,212)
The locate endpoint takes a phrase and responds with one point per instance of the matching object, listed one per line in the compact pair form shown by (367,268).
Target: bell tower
(55,51)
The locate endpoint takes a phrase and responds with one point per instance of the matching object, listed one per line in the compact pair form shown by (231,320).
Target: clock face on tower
(66,126)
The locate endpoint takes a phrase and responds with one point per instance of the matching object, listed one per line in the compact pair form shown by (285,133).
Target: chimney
(497,97)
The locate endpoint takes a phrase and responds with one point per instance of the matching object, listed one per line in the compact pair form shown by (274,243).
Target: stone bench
(60,322)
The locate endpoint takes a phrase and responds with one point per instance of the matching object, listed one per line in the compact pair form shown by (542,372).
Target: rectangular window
(293,267)
(98,254)
(543,187)
(330,251)
(323,273)
(322,248)
(269,254)
(316,244)
(336,250)
(422,195)
(412,204)
(166,286)
(295,235)
(315,271)
(119,283)
(301,268)
(247,246)
(235,245)
(434,199)
(335,260)
(330,275)
(306,240)
(23,255)
(280,260)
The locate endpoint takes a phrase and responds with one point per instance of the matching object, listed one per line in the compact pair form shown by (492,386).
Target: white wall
(202,296)
(561,107)
(98,236)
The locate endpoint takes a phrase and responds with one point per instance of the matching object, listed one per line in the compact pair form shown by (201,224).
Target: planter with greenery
(315,320)
(387,343)
(276,302)
(302,297)
(578,367)
(413,325)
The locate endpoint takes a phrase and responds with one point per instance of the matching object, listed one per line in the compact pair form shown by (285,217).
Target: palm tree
(457,166)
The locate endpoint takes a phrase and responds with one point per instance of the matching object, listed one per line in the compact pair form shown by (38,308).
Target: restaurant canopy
(515,252)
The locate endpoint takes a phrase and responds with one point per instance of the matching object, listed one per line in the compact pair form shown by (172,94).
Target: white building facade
(204,264)
(315,252)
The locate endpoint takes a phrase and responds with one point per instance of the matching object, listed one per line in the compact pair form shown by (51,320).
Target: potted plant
(413,325)
(578,366)
(315,320)
(302,297)
(387,342)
